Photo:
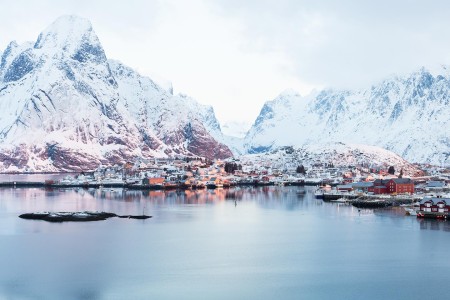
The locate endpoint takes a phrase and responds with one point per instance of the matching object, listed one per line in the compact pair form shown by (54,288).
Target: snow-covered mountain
(408,115)
(65,106)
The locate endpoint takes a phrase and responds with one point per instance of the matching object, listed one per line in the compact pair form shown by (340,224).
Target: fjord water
(241,243)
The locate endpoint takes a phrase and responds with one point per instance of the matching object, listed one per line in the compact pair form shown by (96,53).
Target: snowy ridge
(408,115)
(65,106)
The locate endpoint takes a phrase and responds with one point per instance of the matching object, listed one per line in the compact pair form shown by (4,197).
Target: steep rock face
(179,123)
(64,106)
(409,115)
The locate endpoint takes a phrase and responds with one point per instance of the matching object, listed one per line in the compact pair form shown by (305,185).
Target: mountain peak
(73,35)
(289,93)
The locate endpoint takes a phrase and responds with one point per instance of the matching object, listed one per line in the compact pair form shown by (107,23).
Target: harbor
(360,187)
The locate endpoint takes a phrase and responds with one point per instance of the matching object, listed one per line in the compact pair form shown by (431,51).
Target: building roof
(344,186)
(380,187)
(362,184)
(435,200)
(436,184)
(402,180)
(381,182)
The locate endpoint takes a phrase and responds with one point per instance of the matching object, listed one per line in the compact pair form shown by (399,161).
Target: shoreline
(27,184)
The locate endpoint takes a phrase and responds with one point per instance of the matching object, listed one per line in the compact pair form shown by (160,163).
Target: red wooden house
(435,207)
(392,186)
(400,186)
(379,187)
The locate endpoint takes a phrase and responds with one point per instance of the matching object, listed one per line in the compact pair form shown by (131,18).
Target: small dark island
(85,216)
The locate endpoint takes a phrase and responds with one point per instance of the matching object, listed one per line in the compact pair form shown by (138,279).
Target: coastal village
(362,186)
(203,173)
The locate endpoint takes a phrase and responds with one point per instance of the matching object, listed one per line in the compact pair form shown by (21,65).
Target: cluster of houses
(201,173)
(195,173)
(380,186)
(198,173)
(394,186)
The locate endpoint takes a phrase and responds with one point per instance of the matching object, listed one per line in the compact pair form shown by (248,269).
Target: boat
(213,183)
(68,181)
(430,215)
(410,211)
(112,182)
(319,194)
(340,200)
(133,180)
(168,185)
(301,192)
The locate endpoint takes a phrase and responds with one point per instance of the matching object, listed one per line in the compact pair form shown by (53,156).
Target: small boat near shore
(340,200)
(319,194)
(410,211)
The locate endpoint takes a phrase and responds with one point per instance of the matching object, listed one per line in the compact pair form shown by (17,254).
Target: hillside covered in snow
(331,154)
(65,106)
(408,115)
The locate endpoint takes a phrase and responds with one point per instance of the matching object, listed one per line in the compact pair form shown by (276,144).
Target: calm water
(264,243)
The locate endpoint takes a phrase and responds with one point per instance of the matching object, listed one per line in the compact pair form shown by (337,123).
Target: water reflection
(125,201)
(252,243)
(264,196)
(429,224)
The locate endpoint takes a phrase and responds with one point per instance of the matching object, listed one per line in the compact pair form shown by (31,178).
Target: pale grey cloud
(346,43)
(235,55)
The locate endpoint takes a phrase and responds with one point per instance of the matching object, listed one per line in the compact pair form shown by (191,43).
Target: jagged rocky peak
(74,36)
(8,53)
(16,61)
(284,99)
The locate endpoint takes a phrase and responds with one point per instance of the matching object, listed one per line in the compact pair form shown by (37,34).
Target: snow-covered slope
(65,106)
(408,115)
(235,129)
(337,154)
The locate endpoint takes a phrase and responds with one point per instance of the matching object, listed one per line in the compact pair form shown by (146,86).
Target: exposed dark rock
(21,65)
(86,216)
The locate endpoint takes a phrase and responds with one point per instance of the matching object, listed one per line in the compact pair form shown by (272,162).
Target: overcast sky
(237,54)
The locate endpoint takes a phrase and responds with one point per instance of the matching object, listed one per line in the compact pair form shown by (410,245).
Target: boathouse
(435,204)
(153,181)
